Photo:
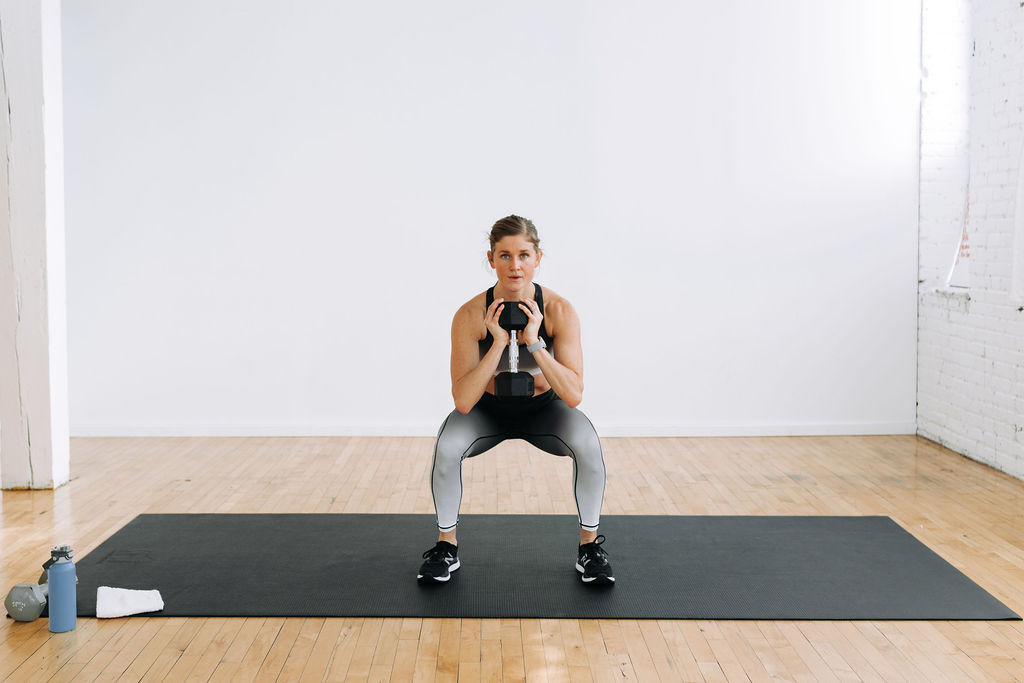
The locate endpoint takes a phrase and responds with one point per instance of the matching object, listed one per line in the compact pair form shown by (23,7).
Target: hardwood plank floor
(970,514)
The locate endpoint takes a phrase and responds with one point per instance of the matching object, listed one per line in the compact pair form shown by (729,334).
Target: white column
(34,439)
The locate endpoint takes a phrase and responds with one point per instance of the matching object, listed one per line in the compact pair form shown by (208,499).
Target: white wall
(971,386)
(34,440)
(274,208)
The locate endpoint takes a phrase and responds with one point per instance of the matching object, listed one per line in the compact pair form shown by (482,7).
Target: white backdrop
(274,208)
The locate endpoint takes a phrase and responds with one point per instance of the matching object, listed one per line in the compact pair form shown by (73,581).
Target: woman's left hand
(531,333)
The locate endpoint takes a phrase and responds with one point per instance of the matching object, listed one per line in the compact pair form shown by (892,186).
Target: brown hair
(514,225)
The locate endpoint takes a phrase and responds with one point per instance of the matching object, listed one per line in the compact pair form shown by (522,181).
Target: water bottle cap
(62,551)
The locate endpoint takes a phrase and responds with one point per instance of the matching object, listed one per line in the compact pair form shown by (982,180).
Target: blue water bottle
(63,591)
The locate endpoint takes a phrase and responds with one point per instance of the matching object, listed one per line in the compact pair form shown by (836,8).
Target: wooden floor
(968,513)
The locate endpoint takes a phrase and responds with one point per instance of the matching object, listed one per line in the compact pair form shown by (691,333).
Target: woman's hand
(531,333)
(491,321)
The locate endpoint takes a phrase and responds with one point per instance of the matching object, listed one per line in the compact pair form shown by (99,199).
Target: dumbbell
(26,601)
(513,384)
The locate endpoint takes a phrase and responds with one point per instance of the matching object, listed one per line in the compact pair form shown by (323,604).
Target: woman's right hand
(491,321)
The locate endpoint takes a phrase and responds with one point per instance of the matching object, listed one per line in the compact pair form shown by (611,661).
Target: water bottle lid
(61,552)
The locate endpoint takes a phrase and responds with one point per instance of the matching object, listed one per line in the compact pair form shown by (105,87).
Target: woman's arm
(470,373)
(565,375)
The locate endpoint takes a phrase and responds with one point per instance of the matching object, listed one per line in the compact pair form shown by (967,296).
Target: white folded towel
(122,602)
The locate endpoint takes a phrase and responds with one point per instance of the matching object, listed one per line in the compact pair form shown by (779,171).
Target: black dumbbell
(513,384)
(512,318)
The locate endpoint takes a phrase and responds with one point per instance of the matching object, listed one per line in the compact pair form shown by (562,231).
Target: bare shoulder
(469,318)
(558,311)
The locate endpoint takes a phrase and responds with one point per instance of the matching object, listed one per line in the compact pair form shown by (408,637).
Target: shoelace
(435,554)
(594,552)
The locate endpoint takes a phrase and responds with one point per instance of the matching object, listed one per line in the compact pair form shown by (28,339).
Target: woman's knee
(586,445)
(590,462)
(579,430)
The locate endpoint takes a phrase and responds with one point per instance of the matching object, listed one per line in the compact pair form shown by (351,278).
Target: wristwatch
(537,346)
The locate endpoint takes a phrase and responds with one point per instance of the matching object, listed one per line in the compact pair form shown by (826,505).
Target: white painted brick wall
(971,344)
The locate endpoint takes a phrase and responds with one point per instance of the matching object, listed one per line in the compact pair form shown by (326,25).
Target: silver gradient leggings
(544,421)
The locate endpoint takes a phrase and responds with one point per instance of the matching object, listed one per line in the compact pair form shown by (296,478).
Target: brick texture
(971,341)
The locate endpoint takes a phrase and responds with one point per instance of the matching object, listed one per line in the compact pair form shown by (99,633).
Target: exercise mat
(667,567)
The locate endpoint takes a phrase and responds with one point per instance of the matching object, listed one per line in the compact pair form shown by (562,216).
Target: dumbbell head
(26,601)
(512,317)
(513,385)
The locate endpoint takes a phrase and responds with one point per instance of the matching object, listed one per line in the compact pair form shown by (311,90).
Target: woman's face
(514,259)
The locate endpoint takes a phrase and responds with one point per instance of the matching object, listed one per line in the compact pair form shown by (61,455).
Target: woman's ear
(490,258)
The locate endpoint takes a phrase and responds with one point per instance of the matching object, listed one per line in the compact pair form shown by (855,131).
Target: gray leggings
(544,421)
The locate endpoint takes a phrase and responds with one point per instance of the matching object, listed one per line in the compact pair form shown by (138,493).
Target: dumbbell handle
(513,352)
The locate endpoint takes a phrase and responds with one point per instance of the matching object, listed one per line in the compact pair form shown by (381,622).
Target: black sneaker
(592,563)
(441,561)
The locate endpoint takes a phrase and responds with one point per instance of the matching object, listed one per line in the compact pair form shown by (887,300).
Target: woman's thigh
(561,430)
(463,436)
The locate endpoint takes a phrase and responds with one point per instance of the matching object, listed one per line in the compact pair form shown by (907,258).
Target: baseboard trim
(605,429)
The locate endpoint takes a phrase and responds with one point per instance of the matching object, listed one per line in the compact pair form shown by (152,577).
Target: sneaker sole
(440,579)
(600,578)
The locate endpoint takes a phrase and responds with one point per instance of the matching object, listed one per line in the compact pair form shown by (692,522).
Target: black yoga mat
(523,566)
